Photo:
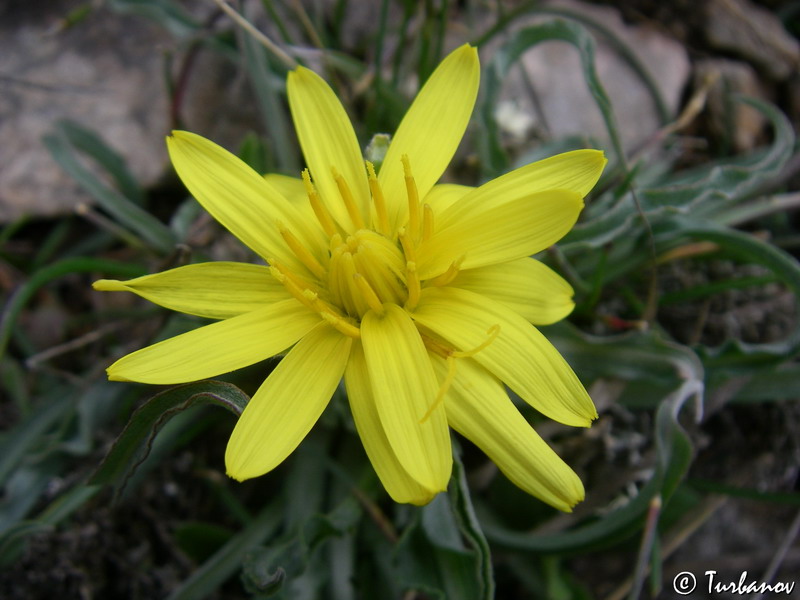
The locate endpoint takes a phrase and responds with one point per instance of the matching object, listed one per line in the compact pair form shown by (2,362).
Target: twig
(71,345)
(263,39)
(780,554)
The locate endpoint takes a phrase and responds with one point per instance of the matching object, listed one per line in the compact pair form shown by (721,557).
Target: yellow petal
(431,130)
(519,227)
(519,356)
(398,483)
(294,190)
(328,141)
(288,403)
(405,388)
(575,171)
(241,200)
(480,410)
(291,188)
(216,290)
(443,195)
(526,286)
(218,348)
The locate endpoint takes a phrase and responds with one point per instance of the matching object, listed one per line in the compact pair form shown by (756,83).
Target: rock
(755,34)
(105,72)
(102,72)
(558,87)
(725,115)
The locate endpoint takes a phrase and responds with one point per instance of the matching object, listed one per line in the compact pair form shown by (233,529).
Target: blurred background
(684,264)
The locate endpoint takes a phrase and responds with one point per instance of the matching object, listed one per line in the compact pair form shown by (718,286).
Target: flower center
(363,270)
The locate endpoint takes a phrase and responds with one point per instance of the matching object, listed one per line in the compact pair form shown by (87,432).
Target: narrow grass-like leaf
(128,214)
(25,292)
(167,13)
(470,528)
(712,192)
(228,559)
(26,436)
(715,487)
(153,414)
(93,146)
(267,87)
(769,385)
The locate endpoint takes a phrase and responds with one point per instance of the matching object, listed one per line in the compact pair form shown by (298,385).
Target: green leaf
(711,192)
(268,87)
(167,13)
(126,453)
(128,214)
(470,527)
(432,556)
(228,559)
(25,292)
(93,146)
(27,436)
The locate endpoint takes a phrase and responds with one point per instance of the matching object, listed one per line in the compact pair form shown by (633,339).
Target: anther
(413,199)
(378,200)
(301,252)
(492,332)
(369,294)
(347,198)
(323,216)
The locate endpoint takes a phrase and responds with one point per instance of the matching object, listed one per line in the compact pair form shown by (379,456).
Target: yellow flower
(422,296)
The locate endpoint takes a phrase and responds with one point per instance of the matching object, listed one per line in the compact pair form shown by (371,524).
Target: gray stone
(558,96)
(755,34)
(726,116)
(104,72)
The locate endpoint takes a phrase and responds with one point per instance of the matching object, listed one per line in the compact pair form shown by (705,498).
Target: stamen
(369,294)
(443,389)
(301,252)
(413,199)
(352,302)
(492,332)
(449,275)
(289,281)
(349,201)
(341,325)
(378,200)
(407,244)
(323,216)
(427,222)
(311,299)
(413,285)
